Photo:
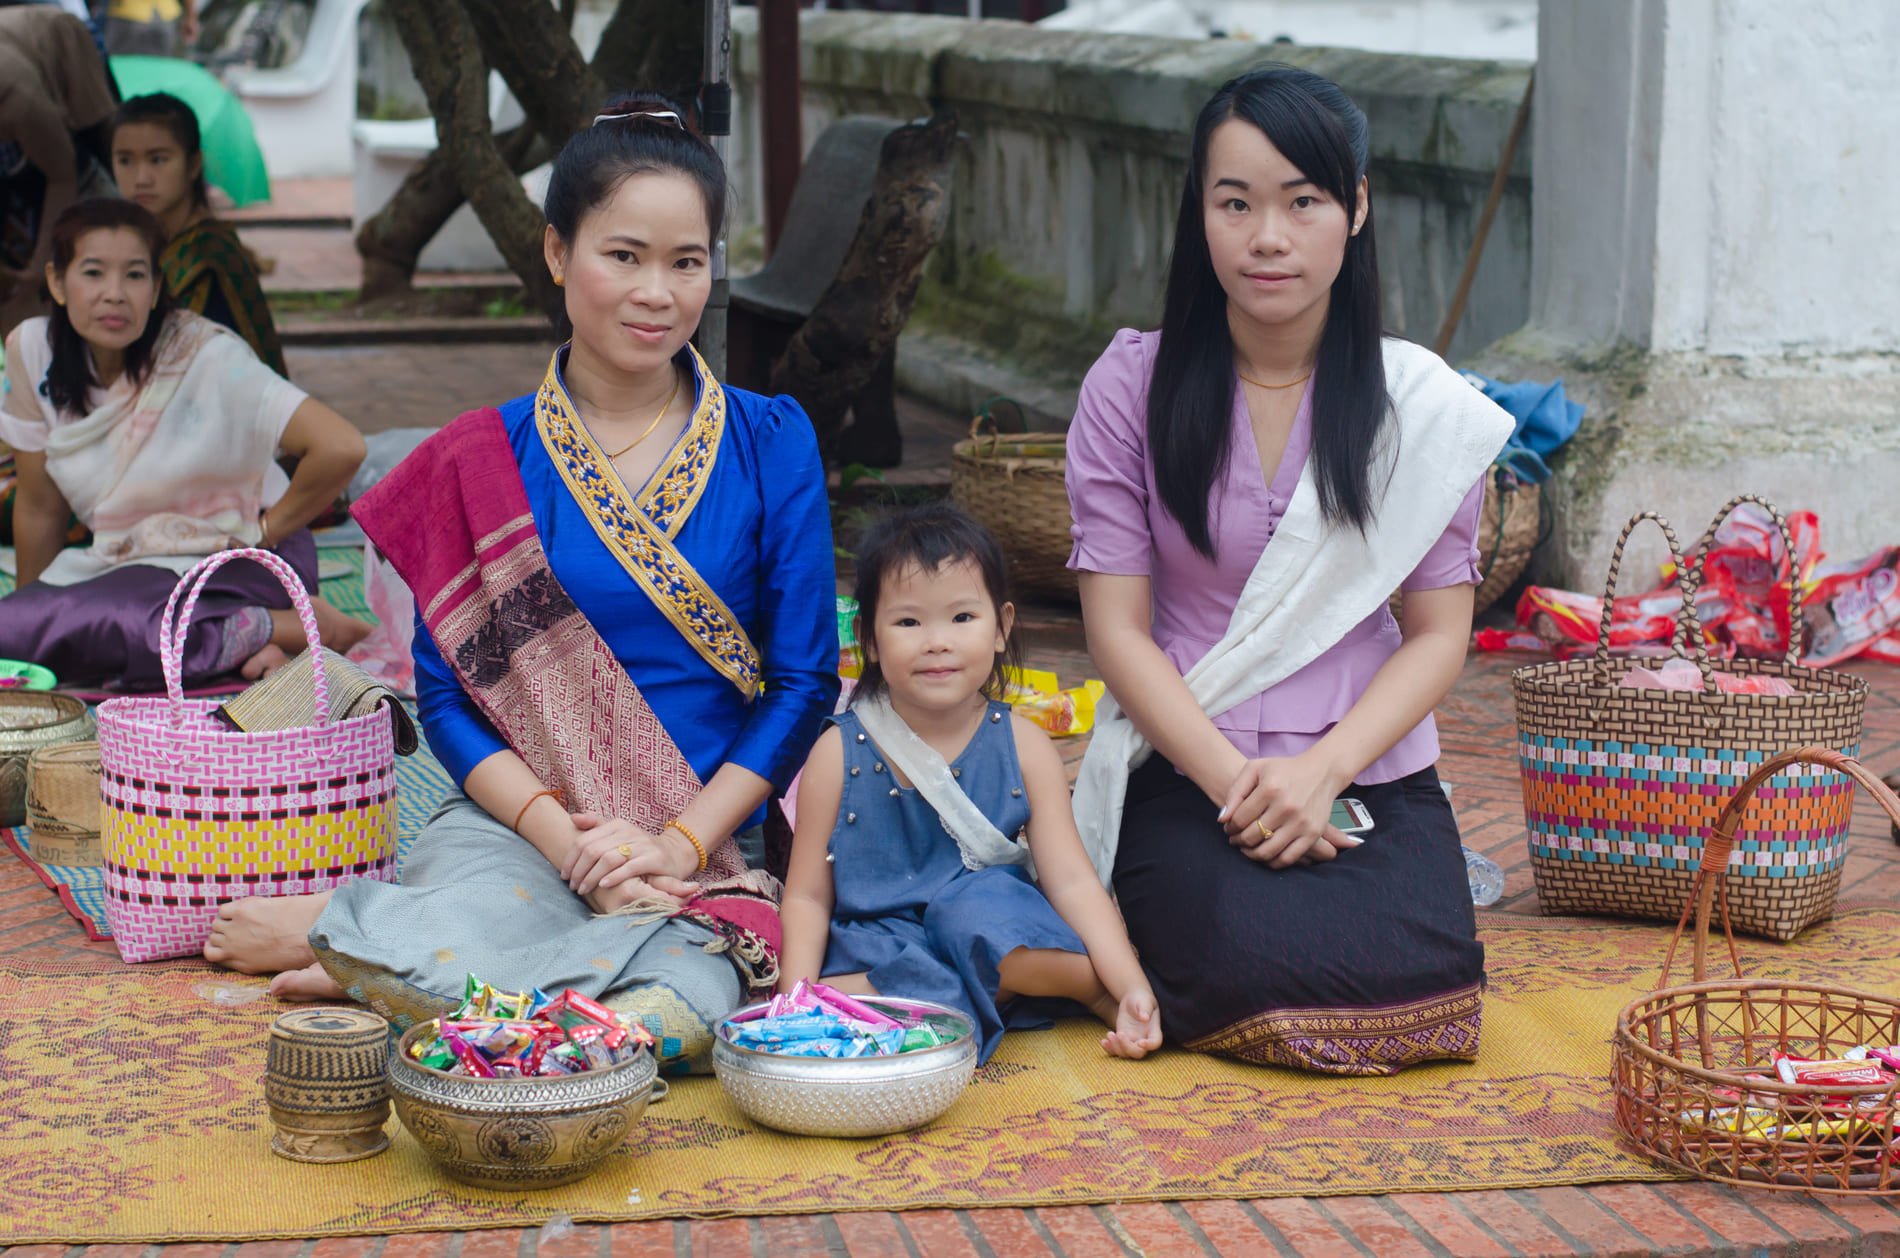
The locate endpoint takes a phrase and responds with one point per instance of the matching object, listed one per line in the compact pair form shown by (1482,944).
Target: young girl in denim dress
(882,896)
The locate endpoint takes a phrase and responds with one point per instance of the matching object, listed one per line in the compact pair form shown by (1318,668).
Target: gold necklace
(1261,384)
(648,430)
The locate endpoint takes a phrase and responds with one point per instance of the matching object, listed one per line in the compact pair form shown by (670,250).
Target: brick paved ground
(382,386)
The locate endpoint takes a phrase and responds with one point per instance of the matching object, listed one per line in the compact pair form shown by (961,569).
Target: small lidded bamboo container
(326,1084)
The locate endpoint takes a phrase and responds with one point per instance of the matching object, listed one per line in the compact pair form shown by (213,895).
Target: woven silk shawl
(208,255)
(454,520)
(1315,581)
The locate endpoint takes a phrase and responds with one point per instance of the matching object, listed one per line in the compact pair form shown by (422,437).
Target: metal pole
(780,144)
(716,118)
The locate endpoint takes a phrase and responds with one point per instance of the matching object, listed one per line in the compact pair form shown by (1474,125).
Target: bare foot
(265,934)
(310,983)
(264,663)
(339,630)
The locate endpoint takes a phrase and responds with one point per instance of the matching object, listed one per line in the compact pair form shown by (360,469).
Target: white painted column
(1716,224)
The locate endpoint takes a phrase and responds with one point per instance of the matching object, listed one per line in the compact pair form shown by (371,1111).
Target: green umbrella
(232,159)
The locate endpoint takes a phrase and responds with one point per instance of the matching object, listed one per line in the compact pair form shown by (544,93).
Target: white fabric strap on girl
(979,841)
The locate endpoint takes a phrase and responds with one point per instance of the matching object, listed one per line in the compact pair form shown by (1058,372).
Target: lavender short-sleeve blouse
(1122,528)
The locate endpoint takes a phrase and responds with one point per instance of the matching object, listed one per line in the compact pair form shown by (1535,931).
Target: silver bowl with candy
(528,1131)
(877,1093)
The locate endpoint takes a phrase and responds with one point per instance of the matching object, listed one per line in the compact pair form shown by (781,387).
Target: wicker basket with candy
(1774,1084)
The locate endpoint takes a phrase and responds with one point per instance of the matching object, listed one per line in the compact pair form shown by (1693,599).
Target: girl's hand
(1137,1026)
(1279,812)
(609,851)
(658,887)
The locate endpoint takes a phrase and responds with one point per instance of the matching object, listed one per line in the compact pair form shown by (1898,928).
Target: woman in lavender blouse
(1269,934)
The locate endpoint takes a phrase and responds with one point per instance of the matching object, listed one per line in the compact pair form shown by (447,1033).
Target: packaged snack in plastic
(1037,694)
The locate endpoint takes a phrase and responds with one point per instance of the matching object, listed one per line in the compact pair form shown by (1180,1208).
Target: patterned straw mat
(134,1104)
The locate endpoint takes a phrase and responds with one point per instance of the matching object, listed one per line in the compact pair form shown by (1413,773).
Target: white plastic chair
(303,112)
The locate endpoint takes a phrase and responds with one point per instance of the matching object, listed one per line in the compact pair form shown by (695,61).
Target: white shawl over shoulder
(1313,582)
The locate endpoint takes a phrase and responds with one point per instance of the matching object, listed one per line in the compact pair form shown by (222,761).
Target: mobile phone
(1350,816)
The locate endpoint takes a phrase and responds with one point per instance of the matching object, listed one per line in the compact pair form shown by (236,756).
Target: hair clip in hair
(645,115)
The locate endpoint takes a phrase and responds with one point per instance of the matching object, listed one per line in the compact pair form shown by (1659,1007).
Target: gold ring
(626,851)
(1261,824)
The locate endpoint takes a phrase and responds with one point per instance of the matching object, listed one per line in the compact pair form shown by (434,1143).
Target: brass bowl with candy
(522,1091)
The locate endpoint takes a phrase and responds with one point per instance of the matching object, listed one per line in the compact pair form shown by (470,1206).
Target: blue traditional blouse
(759,535)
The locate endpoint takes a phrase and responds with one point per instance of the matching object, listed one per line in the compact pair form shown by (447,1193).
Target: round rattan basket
(1013,483)
(1510,525)
(1687,1061)
(62,803)
(29,720)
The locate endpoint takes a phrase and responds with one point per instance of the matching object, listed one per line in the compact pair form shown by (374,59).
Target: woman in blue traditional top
(626,644)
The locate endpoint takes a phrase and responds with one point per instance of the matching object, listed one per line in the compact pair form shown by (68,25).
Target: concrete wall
(1065,198)
(1741,211)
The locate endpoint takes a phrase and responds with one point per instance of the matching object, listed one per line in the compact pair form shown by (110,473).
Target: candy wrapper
(518,1035)
(1851,608)
(1058,712)
(1680,674)
(814,1020)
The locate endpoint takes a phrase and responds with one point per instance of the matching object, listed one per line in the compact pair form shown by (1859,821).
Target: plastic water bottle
(1487,880)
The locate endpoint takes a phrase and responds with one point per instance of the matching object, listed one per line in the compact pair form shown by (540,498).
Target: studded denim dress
(907,912)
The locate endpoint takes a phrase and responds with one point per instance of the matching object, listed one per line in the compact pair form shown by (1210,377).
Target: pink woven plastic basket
(196,814)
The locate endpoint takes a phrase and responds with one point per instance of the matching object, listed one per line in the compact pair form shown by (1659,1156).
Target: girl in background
(909,874)
(158,160)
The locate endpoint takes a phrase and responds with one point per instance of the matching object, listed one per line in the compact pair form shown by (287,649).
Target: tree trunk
(528,43)
(649,43)
(855,323)
(657,44)
(391,240)
(442,47)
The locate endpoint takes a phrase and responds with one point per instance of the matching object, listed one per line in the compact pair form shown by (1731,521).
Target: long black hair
(70,375)
(167,111)
(927,537)
(635,135)
(1191,395)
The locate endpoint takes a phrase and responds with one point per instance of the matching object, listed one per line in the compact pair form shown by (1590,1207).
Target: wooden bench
(770,304)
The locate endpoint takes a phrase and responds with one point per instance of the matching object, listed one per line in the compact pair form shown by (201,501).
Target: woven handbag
(195,813)
(1621,785)
(1013,483)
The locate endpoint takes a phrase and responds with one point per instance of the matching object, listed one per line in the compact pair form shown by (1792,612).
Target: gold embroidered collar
(640,533)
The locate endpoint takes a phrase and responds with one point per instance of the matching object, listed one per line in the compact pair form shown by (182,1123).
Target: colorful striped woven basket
(1621,785)
(196,814)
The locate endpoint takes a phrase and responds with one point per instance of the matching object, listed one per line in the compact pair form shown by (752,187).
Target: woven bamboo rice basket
(1014,485)
(62,803)
(29,720)
(1686,1060)
(1510,525)
(1621,784)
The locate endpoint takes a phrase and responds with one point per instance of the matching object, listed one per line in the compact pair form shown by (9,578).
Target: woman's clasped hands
(615,863)
(1278,811)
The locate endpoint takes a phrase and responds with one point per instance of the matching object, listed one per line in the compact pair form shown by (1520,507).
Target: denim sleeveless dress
(907,912)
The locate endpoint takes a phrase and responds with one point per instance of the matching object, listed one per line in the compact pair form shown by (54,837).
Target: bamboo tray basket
(1681,1056)
(29,720)
(62,803)
(1013,483)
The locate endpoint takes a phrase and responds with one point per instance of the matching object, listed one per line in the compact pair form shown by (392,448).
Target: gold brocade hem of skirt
(1364,1040)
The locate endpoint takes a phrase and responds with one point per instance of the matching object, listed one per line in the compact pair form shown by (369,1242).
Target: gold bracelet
(516,827)
(677,824)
